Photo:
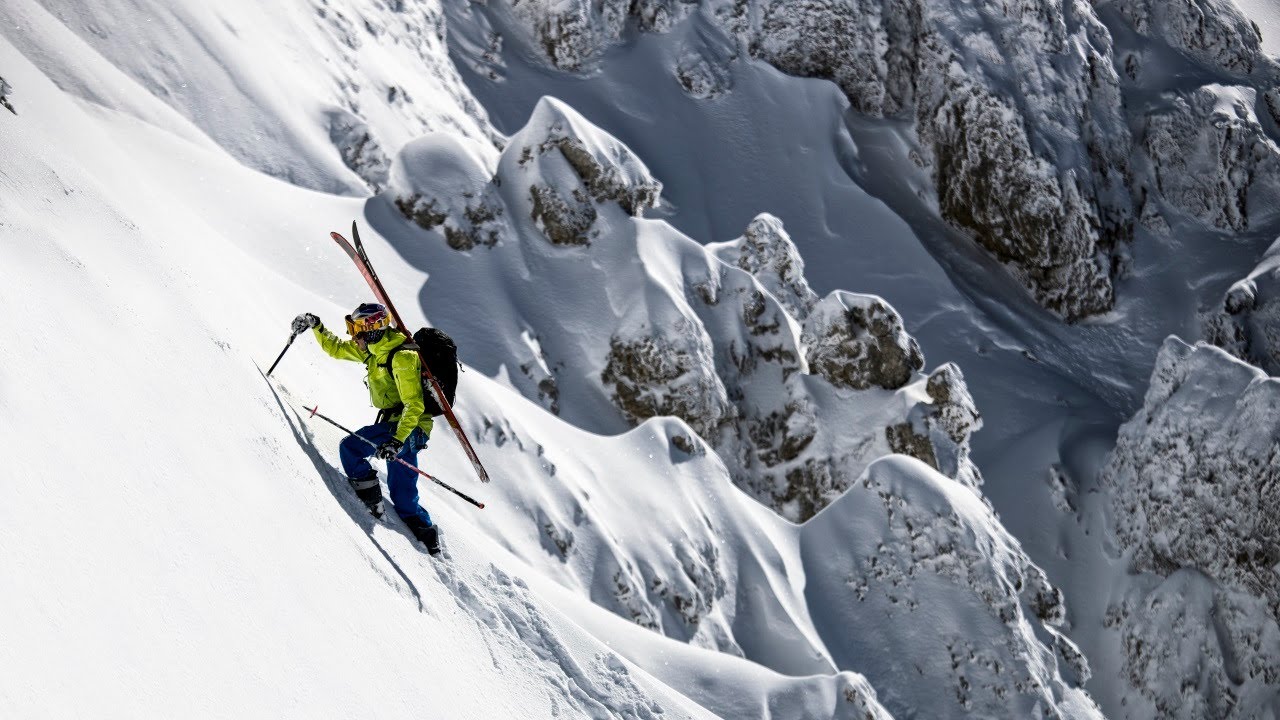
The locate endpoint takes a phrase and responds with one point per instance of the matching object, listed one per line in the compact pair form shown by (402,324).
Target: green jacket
(401,388)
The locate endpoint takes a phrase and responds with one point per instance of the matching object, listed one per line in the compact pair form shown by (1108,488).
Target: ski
(361,259)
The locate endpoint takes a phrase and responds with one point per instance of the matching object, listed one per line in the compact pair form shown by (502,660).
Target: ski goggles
(368,323)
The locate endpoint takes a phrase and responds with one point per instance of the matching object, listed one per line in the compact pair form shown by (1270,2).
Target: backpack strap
(407,345)
(389,414)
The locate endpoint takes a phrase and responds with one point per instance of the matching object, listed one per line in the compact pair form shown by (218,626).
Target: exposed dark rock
(5,90)
(603,182)
(767,252)
(360,151)
(652,377)
(858,342)
(938,434)
(422,211)
(564,223)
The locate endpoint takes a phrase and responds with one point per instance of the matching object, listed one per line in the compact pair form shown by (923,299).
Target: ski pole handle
(282,352)
(315,413)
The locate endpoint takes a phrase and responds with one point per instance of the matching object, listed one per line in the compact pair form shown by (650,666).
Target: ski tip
(337,236)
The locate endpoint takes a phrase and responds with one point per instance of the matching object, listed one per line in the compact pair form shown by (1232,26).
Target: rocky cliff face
(1209,158)
(1211,33)
(849,374)
(1202,153)
(1016,108)
(997,94)
(1247,322)
(858,342)
(766,251)
(1196,491)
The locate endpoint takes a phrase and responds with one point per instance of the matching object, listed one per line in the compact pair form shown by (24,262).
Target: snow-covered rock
(937,433)
(568,167)
(906,546)
(667,374)
(442,179)
(1195,479)
(360,151)
(5,91)
(571,34)
(1017,110)
(1192,649)
(1212,33)
(1210,158)
(1196,471)
(796,395)
(1247,323)
(766,251)
(858,342)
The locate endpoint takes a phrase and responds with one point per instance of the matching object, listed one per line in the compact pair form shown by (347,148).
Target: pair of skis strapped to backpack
(361,259)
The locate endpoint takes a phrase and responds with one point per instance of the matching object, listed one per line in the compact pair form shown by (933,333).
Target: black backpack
(441,355)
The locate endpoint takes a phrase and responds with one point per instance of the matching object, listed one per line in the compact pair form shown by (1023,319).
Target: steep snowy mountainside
(1052,396)
(696,297)
(546,283)
(198,547)
(186,552)
(1196,479)
(796,404)
(204,549)
(323,106)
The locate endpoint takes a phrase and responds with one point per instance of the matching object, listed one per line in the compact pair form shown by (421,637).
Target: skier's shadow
(340,489)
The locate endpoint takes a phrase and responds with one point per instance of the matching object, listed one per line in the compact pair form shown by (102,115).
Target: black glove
(304,321)
(389,449)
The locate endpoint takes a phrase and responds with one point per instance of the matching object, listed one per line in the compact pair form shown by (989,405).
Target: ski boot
(429,535)
(369,492)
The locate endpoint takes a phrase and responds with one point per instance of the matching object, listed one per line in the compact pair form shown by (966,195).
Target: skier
(402,426)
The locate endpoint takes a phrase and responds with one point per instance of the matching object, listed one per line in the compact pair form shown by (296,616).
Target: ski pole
(282,352)
(315,413)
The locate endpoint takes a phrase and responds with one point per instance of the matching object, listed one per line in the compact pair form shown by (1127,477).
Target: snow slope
(195,547)
(201,548)
(635,387)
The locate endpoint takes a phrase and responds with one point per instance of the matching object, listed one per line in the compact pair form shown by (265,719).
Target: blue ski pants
(402,481)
